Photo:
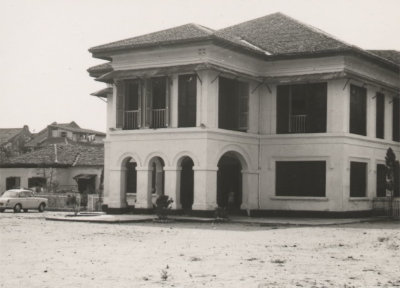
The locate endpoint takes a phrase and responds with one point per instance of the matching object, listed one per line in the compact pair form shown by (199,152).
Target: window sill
(301,198)
(359,199)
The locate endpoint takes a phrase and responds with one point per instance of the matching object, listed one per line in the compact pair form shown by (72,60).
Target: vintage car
(21,199)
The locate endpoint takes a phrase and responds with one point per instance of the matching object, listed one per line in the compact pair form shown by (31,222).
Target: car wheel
(17,208)
(41,207)
(2,210)
(25,210)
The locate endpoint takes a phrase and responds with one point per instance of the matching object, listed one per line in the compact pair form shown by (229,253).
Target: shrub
(221,213)
(163,204)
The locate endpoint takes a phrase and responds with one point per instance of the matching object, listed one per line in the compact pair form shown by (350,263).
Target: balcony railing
(132,119)
(297,123)
(159,118)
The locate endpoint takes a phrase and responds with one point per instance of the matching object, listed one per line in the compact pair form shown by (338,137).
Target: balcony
(298,123)
(131,119)
(159,118)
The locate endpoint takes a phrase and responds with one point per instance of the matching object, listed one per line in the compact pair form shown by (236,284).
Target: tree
(392,167)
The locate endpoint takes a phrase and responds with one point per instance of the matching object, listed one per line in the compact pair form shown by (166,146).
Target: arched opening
(187,184)
(156,165)
(129,179)
(229,182)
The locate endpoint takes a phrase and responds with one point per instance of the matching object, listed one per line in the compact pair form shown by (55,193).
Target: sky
(44,44)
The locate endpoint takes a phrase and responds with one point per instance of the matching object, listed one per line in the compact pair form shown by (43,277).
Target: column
(371,112)
(209,99)
(205,188)
(254,108)
(338,107)
(174,102)
(116,195)
(250,188)
(172,185)
(388,118)
(143,193)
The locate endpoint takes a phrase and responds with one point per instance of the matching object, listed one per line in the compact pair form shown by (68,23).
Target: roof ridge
(147,34)
(204,28)
(320,31)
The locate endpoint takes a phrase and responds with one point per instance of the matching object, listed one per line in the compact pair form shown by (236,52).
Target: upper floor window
(358,110)
(142,102)
(301,108)
(233,105)
(380,115)
(396,120)
(187,100)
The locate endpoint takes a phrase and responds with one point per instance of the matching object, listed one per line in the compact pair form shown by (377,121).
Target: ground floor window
(13,182)
(300,178)
(358,179)
(37,183)
(380,180)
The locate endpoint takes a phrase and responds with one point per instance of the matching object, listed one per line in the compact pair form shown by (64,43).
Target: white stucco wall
(259,149)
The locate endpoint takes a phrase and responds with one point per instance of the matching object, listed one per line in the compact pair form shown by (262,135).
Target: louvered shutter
(167,101)
(148,102)
(243,89)
(120,104)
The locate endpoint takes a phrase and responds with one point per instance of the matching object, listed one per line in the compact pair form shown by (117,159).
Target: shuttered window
(120,104)
(380,115)
(187,100)
(233,104)
(301,108)
(358,179)
(300,178)
(396,119)
(380,180)
(243,89)
(358,110)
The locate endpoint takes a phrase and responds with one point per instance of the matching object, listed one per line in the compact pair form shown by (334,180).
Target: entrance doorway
(187,184)
(229,182)
(157,176)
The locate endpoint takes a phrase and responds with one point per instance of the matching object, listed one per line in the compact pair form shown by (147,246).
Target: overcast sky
(44,44)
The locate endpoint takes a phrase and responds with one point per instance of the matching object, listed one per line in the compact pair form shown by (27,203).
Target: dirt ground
(39,253)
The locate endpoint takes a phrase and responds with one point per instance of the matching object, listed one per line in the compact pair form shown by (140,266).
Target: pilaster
(205,189)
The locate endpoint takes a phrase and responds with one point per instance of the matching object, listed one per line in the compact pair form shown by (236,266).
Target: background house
(57,133)
(13,140)
(56,168)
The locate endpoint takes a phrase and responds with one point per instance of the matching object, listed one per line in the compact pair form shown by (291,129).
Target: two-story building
(269,115)
(63,133)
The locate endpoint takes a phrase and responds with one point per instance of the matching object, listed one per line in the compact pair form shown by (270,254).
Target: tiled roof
(60,155)
(42,135)
(100,69)
(176,34)
(391,55)
(78,130)
(38,138)
(7,133)
(279,34)
(103,92)
(276,34)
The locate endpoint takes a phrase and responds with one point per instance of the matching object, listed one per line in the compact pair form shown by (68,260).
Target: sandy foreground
(39,253)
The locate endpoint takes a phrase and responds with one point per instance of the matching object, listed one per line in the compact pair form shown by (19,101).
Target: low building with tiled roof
(57,165)
(65,133)
(270,115)
(13,140)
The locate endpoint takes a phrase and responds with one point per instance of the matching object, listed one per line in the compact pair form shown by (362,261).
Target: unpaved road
(39,253)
